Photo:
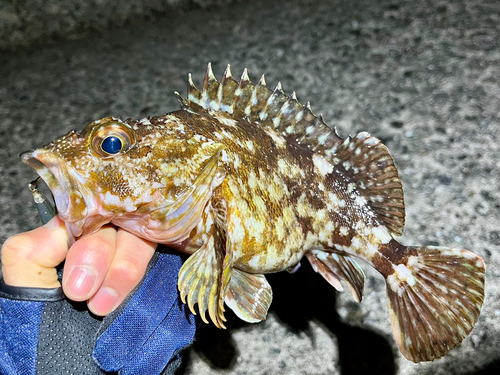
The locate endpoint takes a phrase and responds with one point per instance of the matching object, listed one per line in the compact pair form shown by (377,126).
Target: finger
(87,263)
(29,259)
(124,274)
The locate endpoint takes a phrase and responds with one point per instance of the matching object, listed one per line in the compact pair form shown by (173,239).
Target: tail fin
(434,300)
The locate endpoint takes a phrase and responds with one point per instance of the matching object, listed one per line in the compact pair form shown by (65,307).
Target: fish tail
(435,296)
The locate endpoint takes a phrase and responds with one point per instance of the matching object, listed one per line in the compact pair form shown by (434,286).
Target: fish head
(82,169)
(144,178)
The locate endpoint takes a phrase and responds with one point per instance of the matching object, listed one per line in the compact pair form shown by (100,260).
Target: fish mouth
(69,201)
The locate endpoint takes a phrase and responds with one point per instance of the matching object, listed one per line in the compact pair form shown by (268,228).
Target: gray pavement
(422,76)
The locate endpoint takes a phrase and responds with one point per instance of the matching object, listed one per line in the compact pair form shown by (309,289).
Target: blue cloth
(142,338)
(151,328)
(19,327)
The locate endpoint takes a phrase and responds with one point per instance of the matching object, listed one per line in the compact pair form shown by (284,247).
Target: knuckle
(99,245)
(127,269)
(17,247)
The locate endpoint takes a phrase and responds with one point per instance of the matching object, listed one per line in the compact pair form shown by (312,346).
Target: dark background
(422,76)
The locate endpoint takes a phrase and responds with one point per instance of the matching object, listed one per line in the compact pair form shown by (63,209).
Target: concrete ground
(422,76)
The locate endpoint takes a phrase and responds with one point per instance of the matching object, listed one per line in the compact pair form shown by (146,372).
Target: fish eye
(111,138)
(112,144)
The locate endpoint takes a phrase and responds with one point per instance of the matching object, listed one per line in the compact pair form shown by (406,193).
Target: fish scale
(248,181)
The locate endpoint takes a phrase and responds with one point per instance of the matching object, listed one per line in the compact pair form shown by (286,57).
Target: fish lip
(55,175)
(75,204)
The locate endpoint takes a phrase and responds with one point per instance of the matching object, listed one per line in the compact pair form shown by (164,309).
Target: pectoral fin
(249,296)
(175,220)
(335,267)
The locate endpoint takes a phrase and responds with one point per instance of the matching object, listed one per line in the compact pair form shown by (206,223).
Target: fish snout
(54,173)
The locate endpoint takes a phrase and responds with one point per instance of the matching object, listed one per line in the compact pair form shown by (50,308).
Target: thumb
(30,259)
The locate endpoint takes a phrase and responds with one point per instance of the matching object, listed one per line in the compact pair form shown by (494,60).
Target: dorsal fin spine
(243,93)
(194,94)
(227,74)
(209,78)
(274,104)
(210,89)
(220,91)
(262,82)
(251,102)
(244,75)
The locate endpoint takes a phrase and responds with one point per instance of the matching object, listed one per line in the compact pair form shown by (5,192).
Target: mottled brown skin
(258,176)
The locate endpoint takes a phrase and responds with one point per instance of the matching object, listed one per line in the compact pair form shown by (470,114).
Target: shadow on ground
(490,369)
(299,299)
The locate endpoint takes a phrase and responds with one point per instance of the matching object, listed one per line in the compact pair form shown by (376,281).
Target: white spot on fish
(322,139)
(237,230)
(402,273)
(236,161)
(381,234)
(112,199)
(254,262)
(322,165)
(223,156)
(250,146)
(360,201)
(371,141)
(278,139)
(227,121)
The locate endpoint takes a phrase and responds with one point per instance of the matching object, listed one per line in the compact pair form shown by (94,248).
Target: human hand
(102,268)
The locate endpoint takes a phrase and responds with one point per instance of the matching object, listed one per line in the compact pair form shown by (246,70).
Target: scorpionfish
(248,181)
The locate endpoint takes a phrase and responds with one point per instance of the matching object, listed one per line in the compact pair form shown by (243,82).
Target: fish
(247,181)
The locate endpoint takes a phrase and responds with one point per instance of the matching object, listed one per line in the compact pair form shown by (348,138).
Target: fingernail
(104,301)
(53,223)
(81,281)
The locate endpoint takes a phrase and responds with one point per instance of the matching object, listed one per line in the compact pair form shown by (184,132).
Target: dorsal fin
(369,163)
(371,168)
(260,105)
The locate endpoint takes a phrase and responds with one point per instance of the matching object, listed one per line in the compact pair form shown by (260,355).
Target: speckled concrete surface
(422,76)
(31,22)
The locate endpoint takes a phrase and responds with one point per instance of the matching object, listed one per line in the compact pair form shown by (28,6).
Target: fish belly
(267,258)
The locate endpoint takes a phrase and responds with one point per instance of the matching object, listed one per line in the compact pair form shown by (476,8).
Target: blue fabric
(19,328)
(153,325)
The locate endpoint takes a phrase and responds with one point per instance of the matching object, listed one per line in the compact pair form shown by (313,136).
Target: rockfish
(249,181)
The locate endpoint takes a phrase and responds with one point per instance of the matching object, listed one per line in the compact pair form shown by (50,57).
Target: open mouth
(55,176)
(75,203)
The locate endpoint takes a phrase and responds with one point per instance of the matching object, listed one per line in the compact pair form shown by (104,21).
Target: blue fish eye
(112,145)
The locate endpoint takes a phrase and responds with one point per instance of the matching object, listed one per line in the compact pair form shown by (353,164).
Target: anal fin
(335,267)
(249,296)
